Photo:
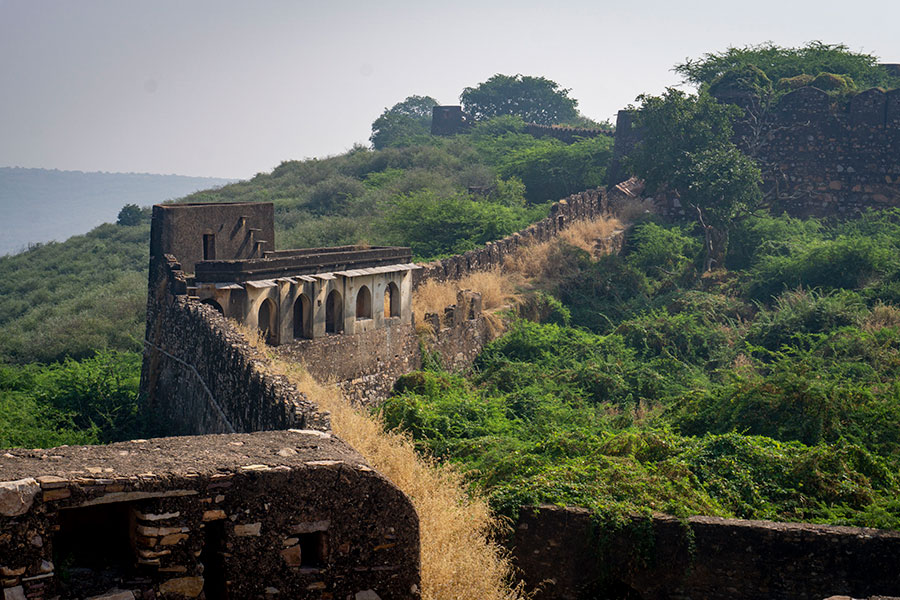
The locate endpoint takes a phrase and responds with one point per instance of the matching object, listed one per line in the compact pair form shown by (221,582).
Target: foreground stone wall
(562,552)
(291,514)
(200,376)
(584,206)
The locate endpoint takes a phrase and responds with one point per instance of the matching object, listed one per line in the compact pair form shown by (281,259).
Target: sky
(226,88)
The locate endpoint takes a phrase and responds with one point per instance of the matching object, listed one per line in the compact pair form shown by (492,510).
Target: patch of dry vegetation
(498,290)
(584,234)
(459,560)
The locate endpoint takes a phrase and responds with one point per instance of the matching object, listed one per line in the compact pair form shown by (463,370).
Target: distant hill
(40,205)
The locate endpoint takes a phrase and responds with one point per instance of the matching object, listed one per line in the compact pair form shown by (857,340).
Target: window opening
(209,246)
(363,303)
(313,549)
(391,300)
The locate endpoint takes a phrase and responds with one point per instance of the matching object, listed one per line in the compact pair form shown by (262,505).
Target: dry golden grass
(882,315)
(498,290)
(584,234)
(459,560)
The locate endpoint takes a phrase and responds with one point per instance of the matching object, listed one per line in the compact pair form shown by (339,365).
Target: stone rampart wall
(366,365)
(816,159)
(201,376)
(565,553)
(568,135)
(584,206)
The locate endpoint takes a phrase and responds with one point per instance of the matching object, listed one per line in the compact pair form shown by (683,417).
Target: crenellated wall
(583,206)
(200,376)
(817,158)
(566,554)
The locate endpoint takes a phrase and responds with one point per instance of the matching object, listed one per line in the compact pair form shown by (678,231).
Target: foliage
(553,170)
(690,396)
(130,215)
(432,225)
(403,122)
(73,402)
(778,62)
(741,80)
(534,99)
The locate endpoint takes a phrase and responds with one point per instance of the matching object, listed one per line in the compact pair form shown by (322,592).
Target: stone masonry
(289,514)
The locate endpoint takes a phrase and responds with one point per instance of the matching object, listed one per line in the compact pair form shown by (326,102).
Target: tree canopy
(534,99)
(403,121)
(687,149)
(778,62)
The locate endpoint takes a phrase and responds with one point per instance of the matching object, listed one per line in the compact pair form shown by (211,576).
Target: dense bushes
(692,394)
(91,401)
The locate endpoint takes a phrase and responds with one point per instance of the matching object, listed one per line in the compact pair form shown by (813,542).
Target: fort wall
(289,514)
(817,159)
(568,556)
(200,376)
(567,135)
(584,206)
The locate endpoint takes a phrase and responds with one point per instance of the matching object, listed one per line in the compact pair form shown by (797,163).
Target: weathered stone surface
(558,551)
(250,529)
(190,587)
(16,497)
(367,595)
(14,593)
(114,595)
(291,556)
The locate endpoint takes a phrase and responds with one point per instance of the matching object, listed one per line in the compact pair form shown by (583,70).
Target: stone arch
(267,319)
(211,302)
(391,300)
(334,313)
(302,317)
(363,303)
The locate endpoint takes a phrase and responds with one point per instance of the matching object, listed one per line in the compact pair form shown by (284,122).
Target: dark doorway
(364,303)
(302,318)
(334,313)
(266,321)
(212,556)
(92,549)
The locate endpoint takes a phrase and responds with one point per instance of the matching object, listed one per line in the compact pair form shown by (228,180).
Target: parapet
(288,514)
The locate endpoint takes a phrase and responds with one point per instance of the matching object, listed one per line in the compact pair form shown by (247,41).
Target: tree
(687,150)
(778,62)
(403,121)
(130,215)
(534,99)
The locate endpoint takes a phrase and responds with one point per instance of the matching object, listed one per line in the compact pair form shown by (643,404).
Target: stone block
(868,108)
(16,497)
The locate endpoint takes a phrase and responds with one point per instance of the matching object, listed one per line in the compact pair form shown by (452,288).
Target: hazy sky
(230,88)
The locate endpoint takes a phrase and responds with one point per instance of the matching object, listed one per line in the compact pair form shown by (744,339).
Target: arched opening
(391,300)
(302,320)
(266,320)
(334,314)
(214,304)
(363,303)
